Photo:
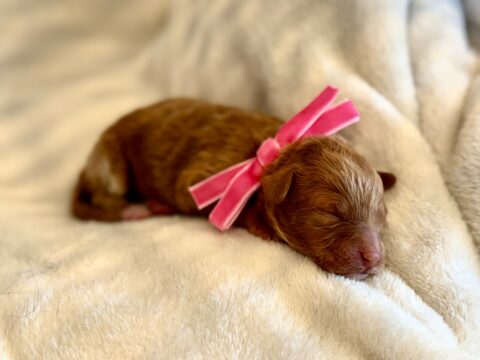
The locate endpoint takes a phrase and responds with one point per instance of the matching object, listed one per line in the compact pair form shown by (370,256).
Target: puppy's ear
(388,180)
(278,184)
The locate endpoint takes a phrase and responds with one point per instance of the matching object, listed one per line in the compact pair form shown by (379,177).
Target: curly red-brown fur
(319,196)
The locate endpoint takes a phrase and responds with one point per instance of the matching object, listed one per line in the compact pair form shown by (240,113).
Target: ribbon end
(218,223)
(330,88)
(193,190)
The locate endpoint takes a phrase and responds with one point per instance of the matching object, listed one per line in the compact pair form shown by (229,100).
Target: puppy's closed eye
(328,218)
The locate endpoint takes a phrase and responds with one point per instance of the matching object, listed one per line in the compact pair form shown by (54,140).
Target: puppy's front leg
(253,220)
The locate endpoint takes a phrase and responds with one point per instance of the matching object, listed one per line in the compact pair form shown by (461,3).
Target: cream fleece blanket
(174,287)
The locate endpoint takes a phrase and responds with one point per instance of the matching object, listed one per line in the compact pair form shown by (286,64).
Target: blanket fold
(174,287)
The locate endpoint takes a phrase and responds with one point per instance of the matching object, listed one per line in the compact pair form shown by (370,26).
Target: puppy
(319,196)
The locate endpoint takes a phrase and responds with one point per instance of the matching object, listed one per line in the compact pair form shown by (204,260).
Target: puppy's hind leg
(103,185)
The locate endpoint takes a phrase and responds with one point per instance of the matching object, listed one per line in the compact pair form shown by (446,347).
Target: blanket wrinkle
(174,287)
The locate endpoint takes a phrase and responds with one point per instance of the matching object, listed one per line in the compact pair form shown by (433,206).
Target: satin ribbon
(236,184)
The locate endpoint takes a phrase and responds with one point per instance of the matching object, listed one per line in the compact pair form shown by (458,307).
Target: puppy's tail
(83,208)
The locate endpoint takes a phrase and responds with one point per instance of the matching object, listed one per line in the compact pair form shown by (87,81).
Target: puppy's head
(326,202)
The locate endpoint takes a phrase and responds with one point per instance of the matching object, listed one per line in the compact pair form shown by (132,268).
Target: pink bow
(235,185)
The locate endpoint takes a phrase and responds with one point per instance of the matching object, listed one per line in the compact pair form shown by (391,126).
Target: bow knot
(235,185)
(268,151)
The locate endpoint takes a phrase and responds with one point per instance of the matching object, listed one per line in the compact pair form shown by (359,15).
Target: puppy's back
(145,153)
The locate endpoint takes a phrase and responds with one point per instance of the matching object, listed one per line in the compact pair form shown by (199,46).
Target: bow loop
(235,185)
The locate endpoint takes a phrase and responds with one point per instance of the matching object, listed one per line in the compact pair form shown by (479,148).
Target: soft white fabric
(176,288)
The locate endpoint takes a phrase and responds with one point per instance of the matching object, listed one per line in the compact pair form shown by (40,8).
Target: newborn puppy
(319,196)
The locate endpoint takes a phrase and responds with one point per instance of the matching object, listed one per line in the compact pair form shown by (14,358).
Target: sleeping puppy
(319,196)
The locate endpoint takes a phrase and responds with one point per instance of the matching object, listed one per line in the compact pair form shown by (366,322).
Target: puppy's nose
(371,256)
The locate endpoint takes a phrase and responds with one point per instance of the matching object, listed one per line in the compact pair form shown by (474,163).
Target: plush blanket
(174,287)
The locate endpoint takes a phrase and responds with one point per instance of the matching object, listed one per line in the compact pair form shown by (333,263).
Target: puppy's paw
(159,208)
(136,212)
(261,232)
